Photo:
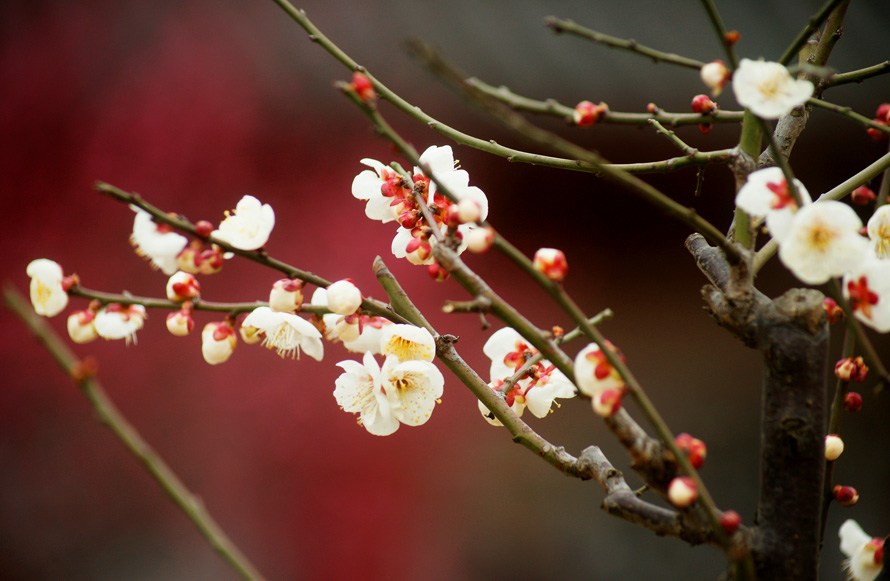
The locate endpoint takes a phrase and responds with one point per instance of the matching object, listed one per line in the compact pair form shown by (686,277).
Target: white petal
(407,342)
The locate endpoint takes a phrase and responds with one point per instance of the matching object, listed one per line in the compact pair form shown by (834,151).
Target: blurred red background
(194,105)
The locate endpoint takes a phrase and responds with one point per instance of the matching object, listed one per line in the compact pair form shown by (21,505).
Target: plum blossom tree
(821,242)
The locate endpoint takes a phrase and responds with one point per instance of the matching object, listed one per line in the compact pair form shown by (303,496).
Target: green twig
(109,415)
(858,76)
(556,109)
(720,30)
(850,114)
(814,23)
(558,25)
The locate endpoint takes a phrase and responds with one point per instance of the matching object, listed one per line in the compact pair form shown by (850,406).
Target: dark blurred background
(194,104)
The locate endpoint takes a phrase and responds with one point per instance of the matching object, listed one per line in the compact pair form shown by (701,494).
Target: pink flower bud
(883,112)
(852,402)
(344,298)
(693,448)
(845,495)
(479,240)
(851,369)
(552,263)
(715,75)
(834,312)
(182,286)
(730,521)
(587,114)
(437,273)
(80,326)
(286,295)
(361,84)
(682,491)
(203,229)
(875,134)
(834,447)
(731,37)
(652,109)
(180,323)
(702,104)
(705,128)
(862,195)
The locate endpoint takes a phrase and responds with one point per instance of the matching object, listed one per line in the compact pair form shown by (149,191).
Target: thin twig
(814,23)
(559,25)
(850,114)
(720,30)
(858,76)
(260,256)
(556,109)
(79,372)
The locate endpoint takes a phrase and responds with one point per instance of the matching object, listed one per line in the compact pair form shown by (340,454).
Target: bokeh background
(194,104)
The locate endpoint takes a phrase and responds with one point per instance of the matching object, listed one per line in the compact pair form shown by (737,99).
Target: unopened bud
(852,402)
(286,295)
(652,108)
(715,75)
(80,326)
(182,286)
(730,521)
(436,272)
(682,491)
(833,310)
(479,240)
(877,134)
(363,87)
(468,211)
(703,105)
(845,495)
(217,342)
(851,369)
(344,298)
(883,112)
(587,114)
(731,37)
(705,128)
(834,447)
(203,228)
(180,323)
(552,263)
(862,195)
(693,448)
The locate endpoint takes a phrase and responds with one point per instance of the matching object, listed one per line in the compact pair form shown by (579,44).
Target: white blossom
(400,392)
(864,561)
(767,89)
(117,321)
(867,287)
(823,241)
(157,242)
(248,226)
(766,195)
(287,333)
(370,328)
(368,185)
(593,372)
(407,342)
(48,296)
(359,390)
(879,232)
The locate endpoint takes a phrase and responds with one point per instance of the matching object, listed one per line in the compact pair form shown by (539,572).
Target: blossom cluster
(393,197)
(536,389)
(821,240)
